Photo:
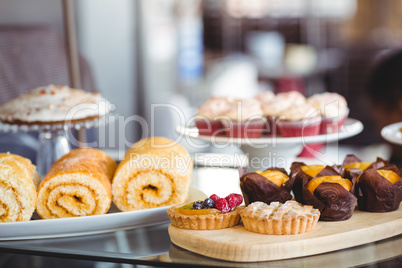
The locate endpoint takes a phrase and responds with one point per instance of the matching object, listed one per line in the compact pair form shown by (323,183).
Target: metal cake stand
(55,138)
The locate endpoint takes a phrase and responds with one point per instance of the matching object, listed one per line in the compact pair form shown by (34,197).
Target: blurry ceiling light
(300,59)
(340,9)
(246,8)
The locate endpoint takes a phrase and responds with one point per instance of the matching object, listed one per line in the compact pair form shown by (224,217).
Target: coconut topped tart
(54,104)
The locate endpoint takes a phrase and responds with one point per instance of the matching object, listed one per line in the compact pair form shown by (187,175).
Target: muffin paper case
(357,170)
(209,127)
(299,179)
(256,187)
(375,193)
(332,199)
(353,159)
(299,128)
(244,120)
(252,128)
(333,124)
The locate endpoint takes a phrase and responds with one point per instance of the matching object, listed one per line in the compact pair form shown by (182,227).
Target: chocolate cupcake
(301,174)
(267,186)
(353,167)
(332,194)
(379,189)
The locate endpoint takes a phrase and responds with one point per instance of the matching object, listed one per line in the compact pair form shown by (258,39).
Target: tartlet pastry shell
(279,222)
(203,222)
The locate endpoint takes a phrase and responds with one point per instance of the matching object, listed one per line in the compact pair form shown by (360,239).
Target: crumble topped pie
(279,219)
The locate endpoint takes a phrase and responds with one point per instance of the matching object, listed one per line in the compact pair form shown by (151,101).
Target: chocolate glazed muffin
(267,186)
(379,189)
(324,188)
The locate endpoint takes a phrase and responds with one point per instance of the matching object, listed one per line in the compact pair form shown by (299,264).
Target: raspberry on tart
(209,214)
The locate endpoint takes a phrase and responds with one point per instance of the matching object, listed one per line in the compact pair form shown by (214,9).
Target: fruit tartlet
(279,219)
(379,189)
(211,214)
(299,120)
(244,119)
(208,119)
(267,186)
(333,110)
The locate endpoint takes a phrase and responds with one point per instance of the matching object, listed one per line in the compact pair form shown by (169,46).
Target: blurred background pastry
(244,119)
(53,104)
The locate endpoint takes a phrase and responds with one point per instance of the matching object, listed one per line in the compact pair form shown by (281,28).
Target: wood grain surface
(238,244)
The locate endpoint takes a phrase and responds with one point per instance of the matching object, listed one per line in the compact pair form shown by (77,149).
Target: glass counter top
(151,245)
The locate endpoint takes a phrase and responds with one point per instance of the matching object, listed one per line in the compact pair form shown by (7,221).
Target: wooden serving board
(238,244)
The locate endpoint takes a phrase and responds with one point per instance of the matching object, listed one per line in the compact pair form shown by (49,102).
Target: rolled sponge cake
(18,181)
(78,184)
(155,172)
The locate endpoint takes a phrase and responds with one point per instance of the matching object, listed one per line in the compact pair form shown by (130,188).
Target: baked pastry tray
(114,220)
(239,245)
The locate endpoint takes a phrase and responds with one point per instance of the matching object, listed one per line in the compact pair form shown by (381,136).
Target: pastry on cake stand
(53,111)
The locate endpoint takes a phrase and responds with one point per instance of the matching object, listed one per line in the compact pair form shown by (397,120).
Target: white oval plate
(351,128)
(393,133)
(112,221)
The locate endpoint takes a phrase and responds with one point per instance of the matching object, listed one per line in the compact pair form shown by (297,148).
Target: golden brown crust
(43,123)
(155,172)
(18,179)
(203,222)
(89,161)
(279,219)
(83,174)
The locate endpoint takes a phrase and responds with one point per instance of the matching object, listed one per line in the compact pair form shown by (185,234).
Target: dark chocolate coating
(258,188)
(339,203)
(349,159)
(334,202)
(299,179)
(377,194)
